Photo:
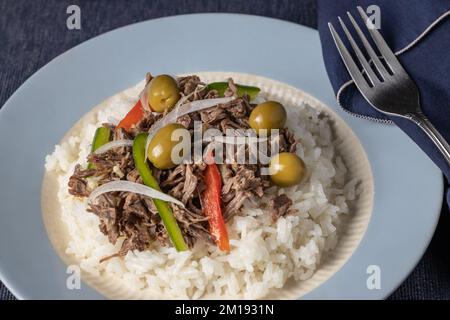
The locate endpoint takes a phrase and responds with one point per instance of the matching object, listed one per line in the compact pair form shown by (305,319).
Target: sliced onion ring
(128,186)
(114,144)
(182,110)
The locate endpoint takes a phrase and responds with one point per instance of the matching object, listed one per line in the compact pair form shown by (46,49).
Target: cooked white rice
(264,254)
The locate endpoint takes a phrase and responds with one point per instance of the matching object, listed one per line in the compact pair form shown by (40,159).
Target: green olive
(162,93)
(268,115)
(161,146)
(286,169)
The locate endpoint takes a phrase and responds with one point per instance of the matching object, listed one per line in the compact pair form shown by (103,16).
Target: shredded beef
(77,183)
(190,184)
(134,219)
(113,164)
(186,121)
(279,206)
(121,134)
(238,108)
(240,182)
(287,141)
(145,123)
(212,115)
(188,84)
(108,214)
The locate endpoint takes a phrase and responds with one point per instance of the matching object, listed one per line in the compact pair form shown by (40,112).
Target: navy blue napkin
(418,31)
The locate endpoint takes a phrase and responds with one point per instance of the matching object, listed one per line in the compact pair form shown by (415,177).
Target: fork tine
(362,59)
(351,66)
(381,44)
(380,67)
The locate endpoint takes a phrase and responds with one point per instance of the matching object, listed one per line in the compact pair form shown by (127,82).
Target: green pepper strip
(164,210)
(222,86)
(101,137)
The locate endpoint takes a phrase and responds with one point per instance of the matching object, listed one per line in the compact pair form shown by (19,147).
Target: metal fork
(388,88)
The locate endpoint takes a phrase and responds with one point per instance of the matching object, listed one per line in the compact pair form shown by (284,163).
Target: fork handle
(424,123)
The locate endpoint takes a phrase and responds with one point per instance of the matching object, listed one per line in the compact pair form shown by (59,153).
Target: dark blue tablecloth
(34,32)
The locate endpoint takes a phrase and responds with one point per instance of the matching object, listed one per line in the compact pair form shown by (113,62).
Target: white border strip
(409,46)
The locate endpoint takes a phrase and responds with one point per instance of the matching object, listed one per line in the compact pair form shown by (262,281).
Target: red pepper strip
(211,205)
(132,117)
